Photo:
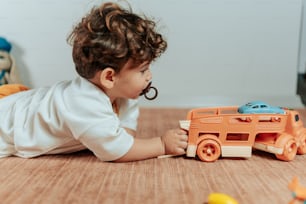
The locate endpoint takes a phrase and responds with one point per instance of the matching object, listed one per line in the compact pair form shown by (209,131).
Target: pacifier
(151,89)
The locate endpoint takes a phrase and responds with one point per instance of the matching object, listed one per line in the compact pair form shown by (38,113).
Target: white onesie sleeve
(107,142)
(92,121)
(128,113)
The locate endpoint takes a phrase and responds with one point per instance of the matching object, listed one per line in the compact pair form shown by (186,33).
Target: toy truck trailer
(223,131)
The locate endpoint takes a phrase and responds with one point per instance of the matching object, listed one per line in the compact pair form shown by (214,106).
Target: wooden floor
(81,178)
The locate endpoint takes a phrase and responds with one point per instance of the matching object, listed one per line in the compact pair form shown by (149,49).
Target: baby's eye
(144,70)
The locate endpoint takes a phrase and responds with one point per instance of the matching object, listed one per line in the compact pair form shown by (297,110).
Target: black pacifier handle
(147,90)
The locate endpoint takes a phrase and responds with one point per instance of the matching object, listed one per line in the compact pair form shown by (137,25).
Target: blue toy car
(260,107)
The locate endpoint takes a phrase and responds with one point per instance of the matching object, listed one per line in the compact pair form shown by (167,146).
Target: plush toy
(9,82)
(8,73)
(9,89)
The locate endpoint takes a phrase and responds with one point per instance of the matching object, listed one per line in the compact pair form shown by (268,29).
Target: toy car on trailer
(223,131)
(260,107)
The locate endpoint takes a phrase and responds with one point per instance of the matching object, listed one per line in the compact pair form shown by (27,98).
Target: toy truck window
(297,118)
(237,137)
(240,120)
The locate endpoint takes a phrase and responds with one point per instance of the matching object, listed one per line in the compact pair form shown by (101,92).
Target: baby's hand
(175,141)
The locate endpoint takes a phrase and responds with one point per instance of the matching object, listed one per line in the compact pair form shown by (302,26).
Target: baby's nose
(149,76)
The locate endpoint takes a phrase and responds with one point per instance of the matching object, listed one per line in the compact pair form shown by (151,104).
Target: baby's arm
(130,131)
(173,142)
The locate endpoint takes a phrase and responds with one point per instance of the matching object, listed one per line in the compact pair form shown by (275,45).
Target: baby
(112,51)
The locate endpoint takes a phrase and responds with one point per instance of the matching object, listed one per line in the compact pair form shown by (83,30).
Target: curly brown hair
(109,36)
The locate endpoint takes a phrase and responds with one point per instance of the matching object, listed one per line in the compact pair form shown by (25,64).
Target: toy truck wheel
(290,148)
(208,150)
(302,147)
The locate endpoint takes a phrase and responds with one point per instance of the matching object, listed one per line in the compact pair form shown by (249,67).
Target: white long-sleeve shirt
(66,117)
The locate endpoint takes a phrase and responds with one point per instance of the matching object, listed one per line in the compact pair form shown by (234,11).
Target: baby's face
(133,79)
(5,60)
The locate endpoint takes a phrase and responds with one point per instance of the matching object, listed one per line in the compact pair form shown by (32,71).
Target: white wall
(220,51)
(302,59)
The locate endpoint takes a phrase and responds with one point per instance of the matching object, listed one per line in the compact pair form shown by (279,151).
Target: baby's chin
(135,97)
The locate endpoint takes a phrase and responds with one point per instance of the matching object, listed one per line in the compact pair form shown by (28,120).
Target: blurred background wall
(221,52)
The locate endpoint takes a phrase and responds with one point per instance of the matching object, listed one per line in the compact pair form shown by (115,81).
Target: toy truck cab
(287,143)
(223,131)
(297,129)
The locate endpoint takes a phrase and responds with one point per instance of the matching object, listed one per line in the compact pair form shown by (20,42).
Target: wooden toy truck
(223,131)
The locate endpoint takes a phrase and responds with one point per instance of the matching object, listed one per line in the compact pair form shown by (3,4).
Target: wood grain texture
(82,178)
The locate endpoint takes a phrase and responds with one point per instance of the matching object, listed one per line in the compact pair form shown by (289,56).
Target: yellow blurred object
(220,198)
(298,191)
(9,89)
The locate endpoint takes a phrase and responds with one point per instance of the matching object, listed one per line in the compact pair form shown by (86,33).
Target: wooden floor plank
(82,178)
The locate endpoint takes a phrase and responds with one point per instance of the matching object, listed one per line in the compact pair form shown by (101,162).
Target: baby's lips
(147,90)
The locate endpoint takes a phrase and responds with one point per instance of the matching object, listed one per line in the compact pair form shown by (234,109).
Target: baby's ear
(107,77)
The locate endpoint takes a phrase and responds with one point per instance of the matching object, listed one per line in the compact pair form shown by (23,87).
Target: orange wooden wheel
(209,150)
(290,150)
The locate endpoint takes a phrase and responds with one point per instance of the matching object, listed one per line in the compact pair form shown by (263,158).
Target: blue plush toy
(5,45)
(7,64)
